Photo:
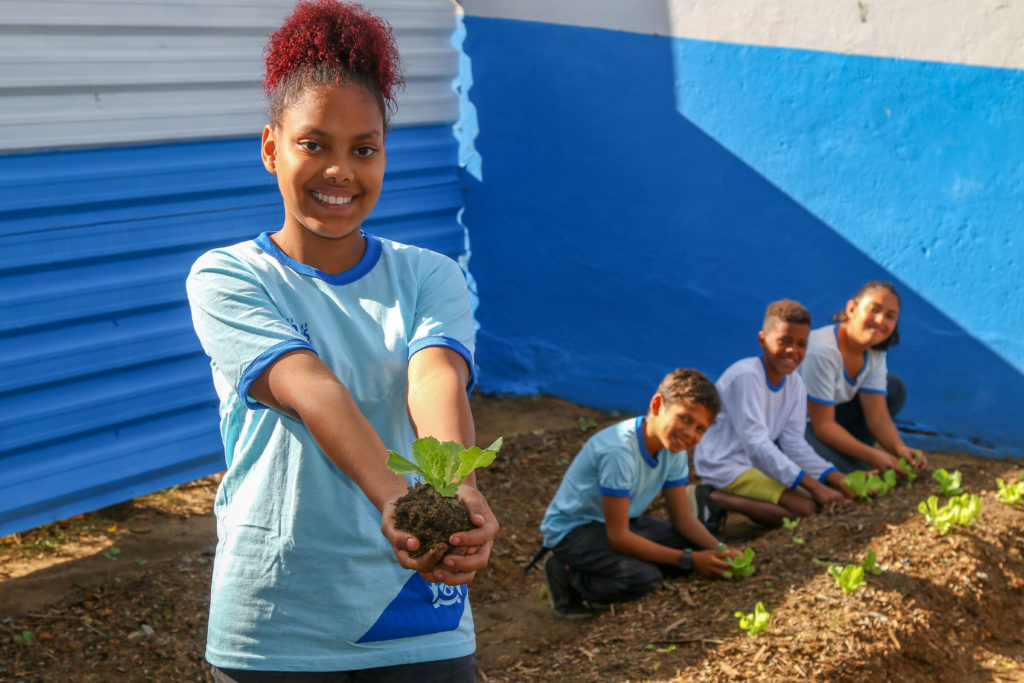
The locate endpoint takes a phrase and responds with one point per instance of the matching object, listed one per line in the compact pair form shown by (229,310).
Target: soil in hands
(430,517)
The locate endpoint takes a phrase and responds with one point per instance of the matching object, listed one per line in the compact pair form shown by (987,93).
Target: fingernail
(409,544)
(449,562)
(479,518)
(456,540)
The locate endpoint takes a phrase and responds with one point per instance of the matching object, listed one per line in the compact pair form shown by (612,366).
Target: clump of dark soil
(430,517)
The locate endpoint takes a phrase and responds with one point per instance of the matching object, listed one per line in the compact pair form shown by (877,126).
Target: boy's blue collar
(365,265)
(644,453)
(767,380)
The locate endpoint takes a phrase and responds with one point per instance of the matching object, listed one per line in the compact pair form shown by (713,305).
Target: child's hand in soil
(711,563)
(915,457)
(473,548)
(403,543)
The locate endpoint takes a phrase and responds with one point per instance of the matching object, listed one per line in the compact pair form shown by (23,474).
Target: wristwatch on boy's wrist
(686,561)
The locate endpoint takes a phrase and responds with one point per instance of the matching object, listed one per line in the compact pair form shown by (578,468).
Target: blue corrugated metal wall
(105,393)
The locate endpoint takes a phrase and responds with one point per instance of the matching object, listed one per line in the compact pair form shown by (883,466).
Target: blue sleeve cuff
(447,342)
(820,400)
(262,362)
(615,493)
(827,472)
(676,483)
(883,392)
(796,482)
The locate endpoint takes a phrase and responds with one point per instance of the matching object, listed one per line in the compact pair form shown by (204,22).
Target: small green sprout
(961,510)
(443,465)
(790,524)
(112,552)
(909,471)
(662,650)
(742,567)
(756,621)
(849,578)
(139,561)
(24,638)
(798,539)
(1010,494)
(949,482)
(586,423)
(870,565)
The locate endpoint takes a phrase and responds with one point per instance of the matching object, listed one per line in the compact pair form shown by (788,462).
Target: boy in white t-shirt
(754,459)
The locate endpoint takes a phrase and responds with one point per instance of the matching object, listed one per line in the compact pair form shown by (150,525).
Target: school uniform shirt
(613,462)
(755,415)
(303,579)
(825,375)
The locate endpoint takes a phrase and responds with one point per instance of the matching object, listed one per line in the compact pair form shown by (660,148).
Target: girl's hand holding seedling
(837,480)
(883,461)
(915,457)
(826,496)
(472,548)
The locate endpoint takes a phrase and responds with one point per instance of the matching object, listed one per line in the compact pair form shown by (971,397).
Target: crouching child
(754,458)
(604,549)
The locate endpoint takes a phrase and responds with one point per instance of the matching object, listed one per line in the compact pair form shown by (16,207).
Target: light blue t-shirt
(613,462)
(303,578)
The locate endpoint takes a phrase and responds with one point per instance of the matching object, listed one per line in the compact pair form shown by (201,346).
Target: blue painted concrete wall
(644,197)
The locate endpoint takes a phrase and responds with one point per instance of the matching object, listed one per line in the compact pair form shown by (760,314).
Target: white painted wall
(977,32)
(97,72)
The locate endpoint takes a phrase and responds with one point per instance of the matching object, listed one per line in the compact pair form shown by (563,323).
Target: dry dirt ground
(121,595)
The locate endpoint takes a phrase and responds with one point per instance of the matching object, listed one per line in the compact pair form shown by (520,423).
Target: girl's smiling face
(327,152)
(871,319)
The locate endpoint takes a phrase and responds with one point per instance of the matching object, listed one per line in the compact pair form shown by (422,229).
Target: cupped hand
(712,563)
(403,543)
(472,549)
(826,496)
(915,457)
(884,461)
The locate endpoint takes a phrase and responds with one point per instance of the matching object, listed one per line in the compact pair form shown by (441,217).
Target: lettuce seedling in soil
(910,474)
(756,621)
(849,578)
(1010,494)
(863,485)
(870,565)
(949,482)
(742,567)
(430,511)
(960,510)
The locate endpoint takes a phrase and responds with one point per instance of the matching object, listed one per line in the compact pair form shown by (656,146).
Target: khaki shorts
(757,485)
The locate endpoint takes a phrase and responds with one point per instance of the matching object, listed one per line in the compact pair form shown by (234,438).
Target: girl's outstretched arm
(439,407)
(301,386)
(882,427)
(823,421)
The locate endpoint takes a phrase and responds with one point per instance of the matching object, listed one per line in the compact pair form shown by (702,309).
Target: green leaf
(790,524)
(1010,494)
(849,578)
(756,621)
(870,565)
(908,470)
(400,465)
(742,566)
(858,483)
(949,482)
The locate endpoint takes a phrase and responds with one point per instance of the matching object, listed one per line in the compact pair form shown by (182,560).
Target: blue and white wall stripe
(678,164)
(129,144)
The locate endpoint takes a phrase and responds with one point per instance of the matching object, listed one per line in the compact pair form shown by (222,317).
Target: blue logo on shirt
(419,609)
(301,328)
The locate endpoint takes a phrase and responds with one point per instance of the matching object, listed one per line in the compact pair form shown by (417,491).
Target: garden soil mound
(121,595)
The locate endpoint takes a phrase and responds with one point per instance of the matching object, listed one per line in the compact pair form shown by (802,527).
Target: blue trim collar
(851,382)
(767,381)
(365,265)
(644,453)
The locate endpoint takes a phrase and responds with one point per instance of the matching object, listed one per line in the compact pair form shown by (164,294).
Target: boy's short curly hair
(785,311)
(690,385)
(326,42)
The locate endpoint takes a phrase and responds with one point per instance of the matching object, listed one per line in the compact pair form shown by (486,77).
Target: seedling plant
(849,578)
(949,482)
(1011,494)
(430,511)
(961,510)
(742,566)
(909,472)
(756,621)
(792,524)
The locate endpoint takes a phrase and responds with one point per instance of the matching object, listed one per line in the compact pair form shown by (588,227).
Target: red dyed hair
(327,40)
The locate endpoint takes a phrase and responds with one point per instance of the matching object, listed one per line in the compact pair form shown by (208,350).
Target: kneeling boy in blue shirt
(604,549)
(754,458)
